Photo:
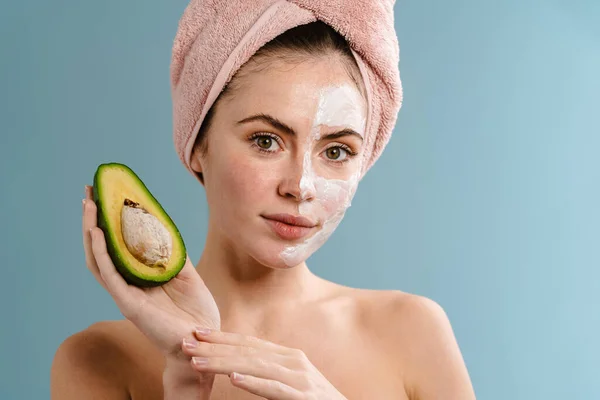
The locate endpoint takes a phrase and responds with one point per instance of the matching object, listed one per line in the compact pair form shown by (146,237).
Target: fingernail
(199,360)
(237,377)
(202,331)
(190,344)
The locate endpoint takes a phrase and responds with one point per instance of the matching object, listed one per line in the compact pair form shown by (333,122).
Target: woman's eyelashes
(339,153)
(266,142)
(270,143)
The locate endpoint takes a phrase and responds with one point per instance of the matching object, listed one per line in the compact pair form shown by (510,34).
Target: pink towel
(216,37)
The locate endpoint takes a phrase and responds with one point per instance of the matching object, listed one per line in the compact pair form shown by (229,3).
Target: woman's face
(284,159)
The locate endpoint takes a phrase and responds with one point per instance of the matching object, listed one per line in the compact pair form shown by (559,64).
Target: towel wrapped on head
(216,37)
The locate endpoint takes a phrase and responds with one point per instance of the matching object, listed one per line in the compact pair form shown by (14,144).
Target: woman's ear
(196,164)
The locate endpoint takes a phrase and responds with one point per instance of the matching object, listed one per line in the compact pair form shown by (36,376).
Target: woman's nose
(297,181)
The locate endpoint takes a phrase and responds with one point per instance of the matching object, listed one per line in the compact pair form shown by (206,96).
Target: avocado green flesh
(113,184)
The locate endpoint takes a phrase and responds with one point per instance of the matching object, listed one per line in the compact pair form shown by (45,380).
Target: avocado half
(141,239)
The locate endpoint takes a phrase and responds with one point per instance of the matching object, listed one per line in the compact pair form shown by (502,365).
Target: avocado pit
(146,238)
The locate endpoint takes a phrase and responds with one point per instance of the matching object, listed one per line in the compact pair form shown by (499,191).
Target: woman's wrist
(181,382)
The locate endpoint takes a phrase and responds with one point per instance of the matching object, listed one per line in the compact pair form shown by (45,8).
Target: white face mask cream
(339,106)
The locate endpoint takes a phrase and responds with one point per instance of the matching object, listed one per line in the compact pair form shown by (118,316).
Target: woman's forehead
(304,96)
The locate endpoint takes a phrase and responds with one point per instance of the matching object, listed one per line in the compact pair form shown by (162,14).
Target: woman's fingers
(114,281)
(130,299)
(89,192)
(89,221)
(266,388)
(272,380)
(239,339)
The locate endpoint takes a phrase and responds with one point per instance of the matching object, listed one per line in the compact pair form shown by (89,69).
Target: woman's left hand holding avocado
(166,313)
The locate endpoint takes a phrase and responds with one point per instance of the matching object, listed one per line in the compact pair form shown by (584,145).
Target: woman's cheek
(247,179)
(332,197)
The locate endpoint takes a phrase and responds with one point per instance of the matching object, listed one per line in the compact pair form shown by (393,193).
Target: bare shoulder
(398,314)
(104,338)
(381,304)
(97,361)
(418,333)
(405,310)
(88,363)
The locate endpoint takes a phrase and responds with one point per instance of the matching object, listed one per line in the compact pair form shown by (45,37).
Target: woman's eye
(336,153)
(266,143)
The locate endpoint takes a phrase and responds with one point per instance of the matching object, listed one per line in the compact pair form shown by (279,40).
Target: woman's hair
(309,41)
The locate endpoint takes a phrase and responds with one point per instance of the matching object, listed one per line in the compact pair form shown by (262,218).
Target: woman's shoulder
(103,356)
(403,317)
(419,338)
(94,344)
(393,306)
(398,320)
(111,338)
(104,343)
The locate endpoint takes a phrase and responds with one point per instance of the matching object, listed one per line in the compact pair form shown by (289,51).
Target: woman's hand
(164,313)
(267,369)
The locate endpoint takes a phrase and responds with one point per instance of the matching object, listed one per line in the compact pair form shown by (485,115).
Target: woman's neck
(242,286)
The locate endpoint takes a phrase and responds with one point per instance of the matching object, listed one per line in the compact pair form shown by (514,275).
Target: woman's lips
(289,227)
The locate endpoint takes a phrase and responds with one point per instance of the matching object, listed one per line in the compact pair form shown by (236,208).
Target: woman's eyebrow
(277,124)
(343,132)
(274,122)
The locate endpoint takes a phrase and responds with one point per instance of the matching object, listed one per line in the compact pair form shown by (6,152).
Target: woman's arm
(92,364)
(179,385)
(88,365)
(174,390)
(434,364)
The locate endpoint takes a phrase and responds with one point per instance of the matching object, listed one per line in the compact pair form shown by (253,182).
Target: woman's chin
(276,261)
(278,256)
(277,253)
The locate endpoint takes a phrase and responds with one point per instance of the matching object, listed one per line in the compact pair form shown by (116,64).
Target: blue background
(486,199)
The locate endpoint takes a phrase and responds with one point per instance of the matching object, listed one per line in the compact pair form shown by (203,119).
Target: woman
(280,154)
